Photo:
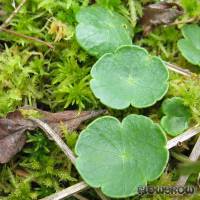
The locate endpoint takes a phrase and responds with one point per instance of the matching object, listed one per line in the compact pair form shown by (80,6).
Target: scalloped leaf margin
(190,45)
(101,30)
(120,157)
(129,76)
(177,116)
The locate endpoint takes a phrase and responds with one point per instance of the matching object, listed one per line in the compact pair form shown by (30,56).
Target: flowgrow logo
(170,190)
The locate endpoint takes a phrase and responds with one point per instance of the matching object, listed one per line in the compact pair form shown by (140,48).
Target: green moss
(70,76)
(20,82)
(37,171)
(162,42)
(188,88)
(58,79)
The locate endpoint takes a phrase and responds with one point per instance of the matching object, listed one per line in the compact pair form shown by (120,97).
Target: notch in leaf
(101,30)
(190,45)
(120,157)
(129,76)
(177,116)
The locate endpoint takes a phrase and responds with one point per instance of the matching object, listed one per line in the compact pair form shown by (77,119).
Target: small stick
(193,157)
(101,195)
(183,137)
(26,37)
(178,69)
(67,192)
(8,20)
(47,129)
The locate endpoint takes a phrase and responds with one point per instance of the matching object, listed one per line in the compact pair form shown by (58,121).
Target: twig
(8,20)
(67,192)
(178,69)
(132,12)
(101,195)
(46,128)
(193,157)
(183,137)
(26,37)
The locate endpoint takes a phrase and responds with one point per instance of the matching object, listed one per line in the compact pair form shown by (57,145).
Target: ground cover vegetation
(66,62)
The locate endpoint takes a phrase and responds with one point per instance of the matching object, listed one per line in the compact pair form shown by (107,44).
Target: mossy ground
(57,79)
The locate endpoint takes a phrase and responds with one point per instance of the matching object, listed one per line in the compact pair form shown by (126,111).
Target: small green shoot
(176,117)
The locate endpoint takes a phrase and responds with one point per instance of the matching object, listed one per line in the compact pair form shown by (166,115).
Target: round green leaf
(101,30)
(176,117)
(120,157)
(129,76)
(190,46)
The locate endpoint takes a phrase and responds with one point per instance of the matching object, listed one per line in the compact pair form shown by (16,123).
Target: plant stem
(180,157)
(26,37)
(194,156)
(132,12)
(101,195)
(8,20)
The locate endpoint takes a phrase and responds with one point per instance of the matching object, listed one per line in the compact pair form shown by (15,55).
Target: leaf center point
(130,80)
(124,156)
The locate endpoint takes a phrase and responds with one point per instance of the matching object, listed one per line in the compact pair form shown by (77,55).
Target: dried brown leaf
(71,119)
(11,145)
(162,13)
(12,137)
(12,128)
